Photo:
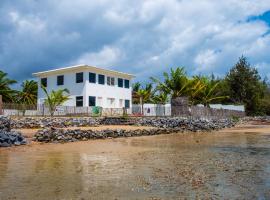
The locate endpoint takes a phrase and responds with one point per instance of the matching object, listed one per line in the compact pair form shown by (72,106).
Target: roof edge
(82,66)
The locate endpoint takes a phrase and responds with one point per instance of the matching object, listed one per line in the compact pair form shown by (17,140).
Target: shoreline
(247,128)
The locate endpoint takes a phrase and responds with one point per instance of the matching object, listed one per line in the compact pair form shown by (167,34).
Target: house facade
(88,86)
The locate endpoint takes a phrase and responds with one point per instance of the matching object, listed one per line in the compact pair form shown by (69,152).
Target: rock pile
(8,137)
(186,123)
(118,121)
(161,122)
(61,135)
(4,123)
(162,126)
(59,122)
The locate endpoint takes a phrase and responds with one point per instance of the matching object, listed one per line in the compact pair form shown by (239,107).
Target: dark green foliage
(5,90)
(245,86)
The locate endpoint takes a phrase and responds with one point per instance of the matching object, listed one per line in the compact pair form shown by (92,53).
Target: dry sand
(29,133)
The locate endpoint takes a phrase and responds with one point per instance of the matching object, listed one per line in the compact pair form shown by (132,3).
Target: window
(79,101)
(92,77)
(111,102)
(101,79)
(126,83)
(121,101)
(79,77)
(127,103)
(43,82)
(110,81)
(100,101)
(92,101)
(60,80)
(120,82)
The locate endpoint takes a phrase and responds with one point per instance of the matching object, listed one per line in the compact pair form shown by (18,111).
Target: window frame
(79,101)
(120,80)
(58,80)
(127,83)
(46,81)
(127,100)
(110,81)
(77,77)
(93,98)
(101,77)
(92,77)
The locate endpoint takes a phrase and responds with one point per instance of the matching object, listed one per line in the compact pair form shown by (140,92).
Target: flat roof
(81,67)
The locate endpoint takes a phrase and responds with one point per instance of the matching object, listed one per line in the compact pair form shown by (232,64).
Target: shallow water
(177,166)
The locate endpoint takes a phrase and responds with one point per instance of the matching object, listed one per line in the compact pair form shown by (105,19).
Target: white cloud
(141,37)
(106,57)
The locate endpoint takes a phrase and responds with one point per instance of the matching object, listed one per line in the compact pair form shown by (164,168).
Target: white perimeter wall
(86,89)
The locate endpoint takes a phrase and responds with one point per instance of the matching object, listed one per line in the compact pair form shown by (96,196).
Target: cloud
(140,37)
(108,56)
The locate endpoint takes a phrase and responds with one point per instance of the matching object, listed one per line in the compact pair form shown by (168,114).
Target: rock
(7,137)
(59,122)
(5,144)
(4,123)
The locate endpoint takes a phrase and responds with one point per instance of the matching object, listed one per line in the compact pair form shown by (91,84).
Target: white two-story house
(88,86)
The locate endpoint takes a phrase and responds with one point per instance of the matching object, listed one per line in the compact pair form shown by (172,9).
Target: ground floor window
(111,103)
(127,103)
(100,101)
(121,103)
(79,101)
(92,101)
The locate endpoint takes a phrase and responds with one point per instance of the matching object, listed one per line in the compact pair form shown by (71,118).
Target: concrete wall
(86,89)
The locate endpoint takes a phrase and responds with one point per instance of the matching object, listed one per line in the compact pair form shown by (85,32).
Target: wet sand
(229,164)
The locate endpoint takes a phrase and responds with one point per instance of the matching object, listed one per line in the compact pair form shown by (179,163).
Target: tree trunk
(141,102)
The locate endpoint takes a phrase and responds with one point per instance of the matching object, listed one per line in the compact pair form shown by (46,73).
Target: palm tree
(144,94)
(55,98)
(5,90)
(135,87)
(206,92)
(176,83)
(161,98)
(28,94)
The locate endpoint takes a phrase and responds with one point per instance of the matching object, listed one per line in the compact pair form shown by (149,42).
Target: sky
(142,37)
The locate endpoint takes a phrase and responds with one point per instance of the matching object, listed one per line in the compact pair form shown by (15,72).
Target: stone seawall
(161,122)
(161,126)
(59,122)
(61,135)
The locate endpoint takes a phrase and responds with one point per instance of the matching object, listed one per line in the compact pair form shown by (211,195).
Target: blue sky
(143,37)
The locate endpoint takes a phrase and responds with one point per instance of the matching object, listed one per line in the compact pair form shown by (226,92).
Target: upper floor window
(126,83)
(79,101)
(43,82)
(101,79)
(92,77)
(79,77)
(120,82)
(60,80)
(110,81)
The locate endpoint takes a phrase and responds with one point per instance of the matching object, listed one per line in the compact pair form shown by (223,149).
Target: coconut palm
(28,94)
(135,87)
(144,94)
(5,90)
(207,91)
(55,98)
(175,84)
(161,98)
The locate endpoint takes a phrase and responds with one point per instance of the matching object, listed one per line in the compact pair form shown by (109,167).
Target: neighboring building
(88,86)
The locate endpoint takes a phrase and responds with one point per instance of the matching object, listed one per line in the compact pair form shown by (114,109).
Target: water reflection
(232,166)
